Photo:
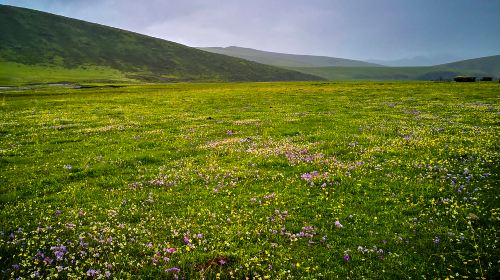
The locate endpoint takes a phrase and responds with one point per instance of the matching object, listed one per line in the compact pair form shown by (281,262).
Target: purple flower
(338,224)
(59,252)
(107,274)
(57,212)
(171,250)
(173,269)
(93,272)
(347,258)
(15,266)
(269,196)
(436,240)
(69,225)
(307,177)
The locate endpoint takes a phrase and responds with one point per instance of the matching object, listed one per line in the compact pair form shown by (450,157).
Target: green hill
(38,47)
(488,65)
(480,67)
(340,69)
(287,60)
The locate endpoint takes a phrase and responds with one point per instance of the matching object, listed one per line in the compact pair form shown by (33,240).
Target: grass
(389,73)
(262,180)
(15,74)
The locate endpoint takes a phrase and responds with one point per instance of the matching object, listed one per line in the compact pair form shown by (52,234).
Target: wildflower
(107,274)
(57,212)
(307,176)
(347,258)
(69,225)
(436,240)
(59,252)
(173,269)
(171,250)
(93,272)
(338,224)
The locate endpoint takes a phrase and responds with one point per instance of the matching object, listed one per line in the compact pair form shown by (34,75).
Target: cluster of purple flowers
(309,177)
(59,252)
(173,269)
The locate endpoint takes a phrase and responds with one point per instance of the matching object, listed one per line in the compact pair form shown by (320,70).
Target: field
(15,74)
(261,180)
(388,73)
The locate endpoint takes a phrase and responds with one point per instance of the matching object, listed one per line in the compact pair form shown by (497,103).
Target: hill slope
(488,65)
(480,67)
(287,60)
(54,43)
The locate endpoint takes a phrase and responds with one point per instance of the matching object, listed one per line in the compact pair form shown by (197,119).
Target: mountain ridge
(286,59)
(346,69)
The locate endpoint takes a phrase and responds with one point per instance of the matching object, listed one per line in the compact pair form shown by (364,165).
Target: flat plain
(306,180)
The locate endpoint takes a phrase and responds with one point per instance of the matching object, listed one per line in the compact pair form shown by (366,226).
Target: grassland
(15,74)
(262,180)
(391,73)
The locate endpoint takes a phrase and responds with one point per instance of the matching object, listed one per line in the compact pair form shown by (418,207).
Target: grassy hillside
(444,72)
(54,43)
(345,69)
(489,64)
(287,60)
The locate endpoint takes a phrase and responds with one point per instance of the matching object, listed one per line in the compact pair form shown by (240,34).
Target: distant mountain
(417,61)
(41,47)
(287,60)
(479,67)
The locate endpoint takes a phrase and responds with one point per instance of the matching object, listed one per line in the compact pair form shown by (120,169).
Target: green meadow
(15,74)
(310,180)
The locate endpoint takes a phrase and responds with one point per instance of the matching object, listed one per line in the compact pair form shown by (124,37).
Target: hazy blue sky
(358,29)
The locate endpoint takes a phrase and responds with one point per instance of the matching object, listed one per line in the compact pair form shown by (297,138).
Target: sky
(434,30)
